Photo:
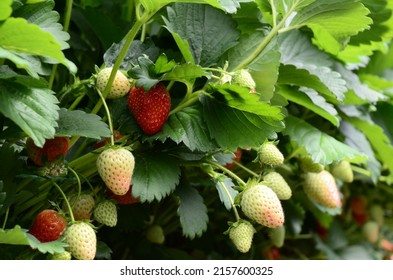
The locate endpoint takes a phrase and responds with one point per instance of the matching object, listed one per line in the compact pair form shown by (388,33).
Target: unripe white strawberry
(106,213)
(321,187)
(82,241)
(277,183)
(64,256)
(262,205)
(342,171)
(269,154)
(377,213)
(241,234)
(243,78)
(82,206)
(120,87)
(116,166)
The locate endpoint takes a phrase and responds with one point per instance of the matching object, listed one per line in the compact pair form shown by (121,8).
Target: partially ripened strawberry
(155,234)
(120,87)
(150,108)
(241,234)
(48,225)
(106,213)
(270,155)
(82,206)
(262,205)
(116,166)
(126,198)
(272,253)
(243,78)
(321,187)
(277,183)
(52,150)
(82,241)
(342,171)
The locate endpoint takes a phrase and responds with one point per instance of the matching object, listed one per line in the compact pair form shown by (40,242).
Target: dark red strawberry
(126,198)
(52,149)
(238,155)
(48,225)
(150,108)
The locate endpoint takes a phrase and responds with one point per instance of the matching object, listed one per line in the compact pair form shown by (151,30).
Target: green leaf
(209,32)
(233,128)
(33,109)
(17,35)
(80,123)
(156,175)
(184,73)
(322,148)
(229,6)
(5,9)
(188,126)
(361,90)
(297,50)
(378,139)
(356,252)
(226,191)
(15,236)
(192,211)
(311,100)
(52,247)
(334,17)
(357,140)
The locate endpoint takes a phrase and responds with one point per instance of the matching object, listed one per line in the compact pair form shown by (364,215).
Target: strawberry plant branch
(186,102)
(246,169)
(5,218)
(227,171)
(77,180)
(65,200)
(108,114)
(274,12)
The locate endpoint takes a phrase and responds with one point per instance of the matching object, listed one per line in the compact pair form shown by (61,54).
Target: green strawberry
(106,213)
(342,171)
(65,256)
(277,183)
(269,154)
(277,236)
(321,187)
(155,234)
(82,206)
(82,241)
(243,78)
(120,87)
(241,234)
(370,231)
(262,205)
(377,213)
(116,166)
(307,165)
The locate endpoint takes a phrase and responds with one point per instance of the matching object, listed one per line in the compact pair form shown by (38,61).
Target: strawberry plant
(250,129)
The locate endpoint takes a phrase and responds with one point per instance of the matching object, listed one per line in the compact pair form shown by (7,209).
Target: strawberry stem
(246,169)
(5,218)
(65,200)
(230,199)
(77,179)
(227,171)
(108,113)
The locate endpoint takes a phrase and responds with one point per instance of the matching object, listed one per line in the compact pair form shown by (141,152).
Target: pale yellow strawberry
(120,87)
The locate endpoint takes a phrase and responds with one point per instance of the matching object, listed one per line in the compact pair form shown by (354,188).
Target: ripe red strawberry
(48,225)
(359,209)
(120,87)
(106,213)
(82,241)
(321,187)
(269,154)
(241,234)
(52,150)
(155,234)
(82,206)
(243,78)
(277,183)
(342,171)
(238,155)
(126,198)
(116,166)
(150,108)
(262,205)
(272,253)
